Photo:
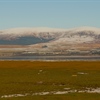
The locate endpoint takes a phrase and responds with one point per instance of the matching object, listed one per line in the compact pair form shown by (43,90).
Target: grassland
(20,77)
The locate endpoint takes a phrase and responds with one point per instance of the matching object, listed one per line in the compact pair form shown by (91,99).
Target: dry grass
(81,65)
(19,77)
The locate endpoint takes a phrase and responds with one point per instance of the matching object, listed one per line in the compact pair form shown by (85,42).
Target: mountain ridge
(49,41)
(44,34)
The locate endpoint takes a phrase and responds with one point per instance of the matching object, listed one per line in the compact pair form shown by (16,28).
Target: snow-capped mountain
(36,32)
(27,36)
(81,35)
(77,41)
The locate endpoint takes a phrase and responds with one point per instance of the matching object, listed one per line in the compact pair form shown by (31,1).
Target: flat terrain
(35,80)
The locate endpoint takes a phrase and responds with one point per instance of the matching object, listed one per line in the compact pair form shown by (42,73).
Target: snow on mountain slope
(80,35)
(71,39)
(93,29)
(51,36)
(75,39)
(38,32)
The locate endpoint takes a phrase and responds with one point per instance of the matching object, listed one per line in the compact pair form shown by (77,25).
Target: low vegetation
(21,77)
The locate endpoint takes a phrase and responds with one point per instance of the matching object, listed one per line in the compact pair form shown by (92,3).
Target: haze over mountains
(85,40)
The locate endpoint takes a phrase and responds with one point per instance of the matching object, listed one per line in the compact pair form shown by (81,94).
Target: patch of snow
(87,90)
(61,92)
(97,90)
(82,73)
(67,88)
(41,93)
(75,39)
(14,95)
(85,28)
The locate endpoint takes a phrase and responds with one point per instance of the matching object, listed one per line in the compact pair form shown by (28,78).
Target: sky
(49,13)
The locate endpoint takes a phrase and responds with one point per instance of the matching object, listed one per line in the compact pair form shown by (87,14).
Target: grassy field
(21,77)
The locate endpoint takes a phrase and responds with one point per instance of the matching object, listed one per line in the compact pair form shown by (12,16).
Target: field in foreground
(27,80)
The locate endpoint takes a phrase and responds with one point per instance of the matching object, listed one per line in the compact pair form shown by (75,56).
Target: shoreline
(51,58)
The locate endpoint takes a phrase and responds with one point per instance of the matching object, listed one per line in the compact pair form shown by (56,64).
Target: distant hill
(82,39)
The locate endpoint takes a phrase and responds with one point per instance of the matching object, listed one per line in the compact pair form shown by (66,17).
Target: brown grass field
(84,65)
(20,77)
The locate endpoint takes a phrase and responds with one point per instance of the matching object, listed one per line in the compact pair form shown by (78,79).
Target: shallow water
(51,58)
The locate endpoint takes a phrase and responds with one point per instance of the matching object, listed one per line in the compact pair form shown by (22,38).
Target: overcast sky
(49,13)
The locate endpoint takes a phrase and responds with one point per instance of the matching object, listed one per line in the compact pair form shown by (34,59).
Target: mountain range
(43,40)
